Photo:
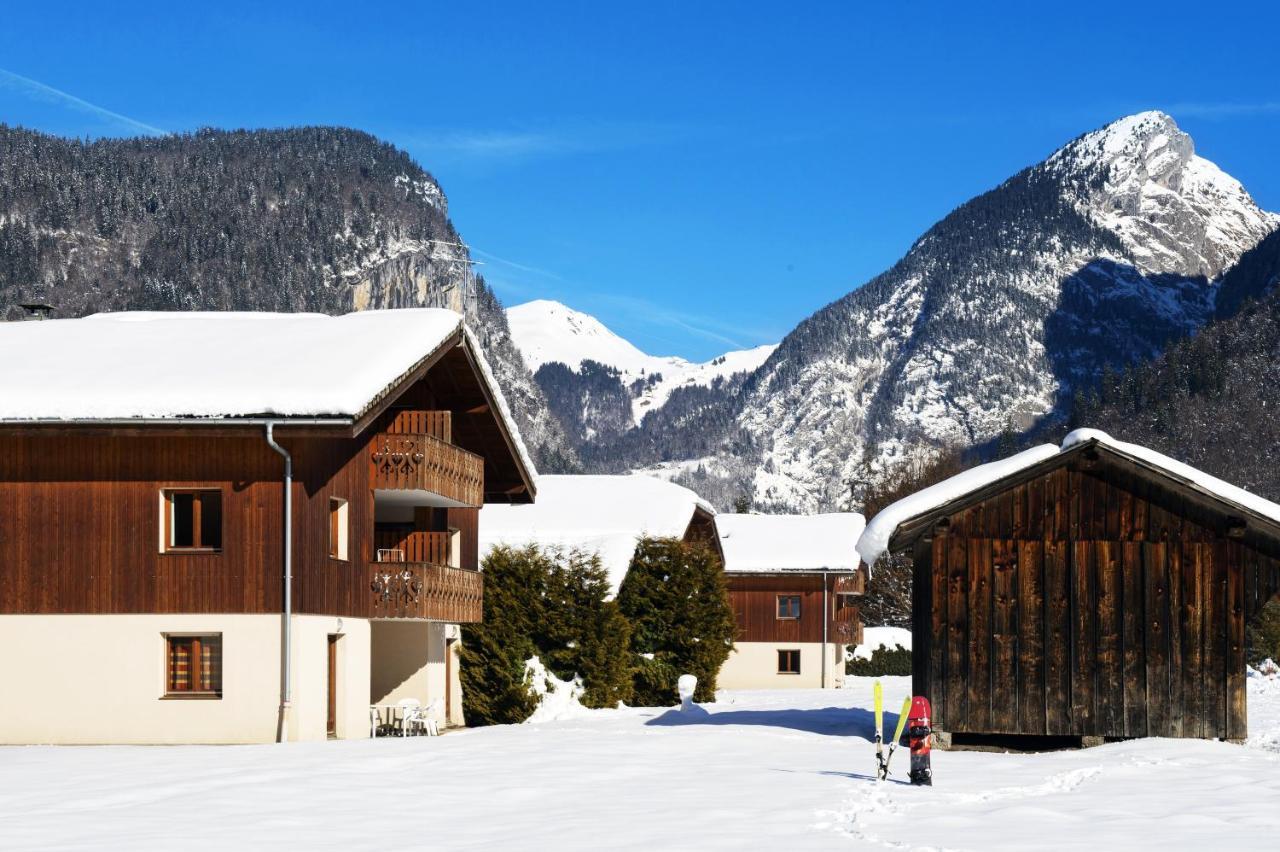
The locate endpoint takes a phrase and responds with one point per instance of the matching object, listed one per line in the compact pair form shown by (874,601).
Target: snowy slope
(546,331)
(785,769)
(1098,256)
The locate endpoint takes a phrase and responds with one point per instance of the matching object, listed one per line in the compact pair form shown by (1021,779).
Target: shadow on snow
(829,721)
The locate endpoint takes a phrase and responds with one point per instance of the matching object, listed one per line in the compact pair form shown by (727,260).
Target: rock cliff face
(1097,257)
(308,219)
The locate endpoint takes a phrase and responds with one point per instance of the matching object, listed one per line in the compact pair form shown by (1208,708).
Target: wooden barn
(1094,591)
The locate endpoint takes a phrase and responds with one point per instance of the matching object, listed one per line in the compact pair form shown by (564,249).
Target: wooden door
(332,725)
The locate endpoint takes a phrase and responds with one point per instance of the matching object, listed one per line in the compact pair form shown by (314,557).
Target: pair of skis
(882,760)
(916,712)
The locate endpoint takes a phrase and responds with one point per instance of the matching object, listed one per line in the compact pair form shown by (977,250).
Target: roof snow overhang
(1225,516)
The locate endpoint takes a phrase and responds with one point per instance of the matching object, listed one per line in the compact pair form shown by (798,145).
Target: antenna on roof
(464,261)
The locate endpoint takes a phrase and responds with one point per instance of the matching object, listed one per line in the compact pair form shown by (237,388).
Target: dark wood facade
(80,509)
(754,597)
(1092,595)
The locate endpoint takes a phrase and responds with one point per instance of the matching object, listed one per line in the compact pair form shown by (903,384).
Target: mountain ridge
(577,360)
(1093,259)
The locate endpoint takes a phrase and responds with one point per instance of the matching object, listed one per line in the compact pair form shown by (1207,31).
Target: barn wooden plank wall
(1087,602)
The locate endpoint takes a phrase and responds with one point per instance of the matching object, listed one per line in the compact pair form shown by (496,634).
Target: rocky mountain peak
(1175,212)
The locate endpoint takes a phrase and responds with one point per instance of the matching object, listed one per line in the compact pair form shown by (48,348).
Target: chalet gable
(212,372)
(1174,487)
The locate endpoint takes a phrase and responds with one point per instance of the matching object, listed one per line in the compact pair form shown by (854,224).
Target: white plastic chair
(429,723)
(375,721)
(410,715)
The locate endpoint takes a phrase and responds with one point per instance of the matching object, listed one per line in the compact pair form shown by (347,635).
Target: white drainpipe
(826,618)
(286,655)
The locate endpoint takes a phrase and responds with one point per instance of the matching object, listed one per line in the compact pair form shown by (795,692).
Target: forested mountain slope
(305,219)
(1212,400)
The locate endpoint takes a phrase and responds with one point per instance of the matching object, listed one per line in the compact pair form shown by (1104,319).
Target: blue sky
(701,176)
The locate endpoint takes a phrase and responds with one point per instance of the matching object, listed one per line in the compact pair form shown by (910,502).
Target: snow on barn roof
(767,543)
(874,541)
(597,514)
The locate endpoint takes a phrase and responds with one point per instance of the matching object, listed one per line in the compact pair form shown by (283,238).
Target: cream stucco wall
(100,679)
(754,665)
(409,662)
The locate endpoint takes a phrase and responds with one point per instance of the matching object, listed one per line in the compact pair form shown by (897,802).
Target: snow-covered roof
(195,364)
(875,539)
(767,543)
(597,514)
(206,364)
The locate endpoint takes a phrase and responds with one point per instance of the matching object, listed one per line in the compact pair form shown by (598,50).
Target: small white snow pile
(1264,705)
(557,699)
(874,637)
(1268,671)
(686,686)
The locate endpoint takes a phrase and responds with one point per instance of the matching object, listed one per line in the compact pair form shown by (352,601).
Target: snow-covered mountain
(548,332)
(1097,257)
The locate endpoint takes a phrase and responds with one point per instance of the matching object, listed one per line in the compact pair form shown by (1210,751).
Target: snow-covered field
(778,770)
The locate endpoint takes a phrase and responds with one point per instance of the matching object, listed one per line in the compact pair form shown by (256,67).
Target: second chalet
(236,528)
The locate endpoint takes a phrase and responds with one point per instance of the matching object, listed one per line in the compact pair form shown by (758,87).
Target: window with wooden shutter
(194,666)
(192,519)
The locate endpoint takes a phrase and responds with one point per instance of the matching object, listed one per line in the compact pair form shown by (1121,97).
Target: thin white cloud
(573,137)
(695,324)
(1226,109)
(533,270)
(39,91)
(642,310)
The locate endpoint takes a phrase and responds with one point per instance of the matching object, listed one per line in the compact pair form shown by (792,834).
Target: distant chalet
(146,529)
(796,584)
(1093,590)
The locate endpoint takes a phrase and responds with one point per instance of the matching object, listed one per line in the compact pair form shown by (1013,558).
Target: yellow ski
(879,703)
(897,735)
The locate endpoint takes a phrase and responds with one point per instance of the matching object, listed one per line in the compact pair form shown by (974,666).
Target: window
(788,606)
(193,666)
(846,602)
(337,528)
(789,662)
(192,520)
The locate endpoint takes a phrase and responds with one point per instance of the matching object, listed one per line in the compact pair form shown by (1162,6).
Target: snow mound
(874,637)
(557,699)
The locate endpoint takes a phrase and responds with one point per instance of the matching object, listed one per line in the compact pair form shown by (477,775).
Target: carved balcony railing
(425,463)
(423,590)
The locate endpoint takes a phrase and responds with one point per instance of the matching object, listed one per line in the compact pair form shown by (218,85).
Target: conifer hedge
(676,600)
(553,604)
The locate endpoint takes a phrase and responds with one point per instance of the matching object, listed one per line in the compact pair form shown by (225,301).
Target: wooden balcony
(433,547)
(423,462)
(423,590)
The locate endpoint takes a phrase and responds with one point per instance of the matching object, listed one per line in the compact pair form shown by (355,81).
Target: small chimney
(36,310)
